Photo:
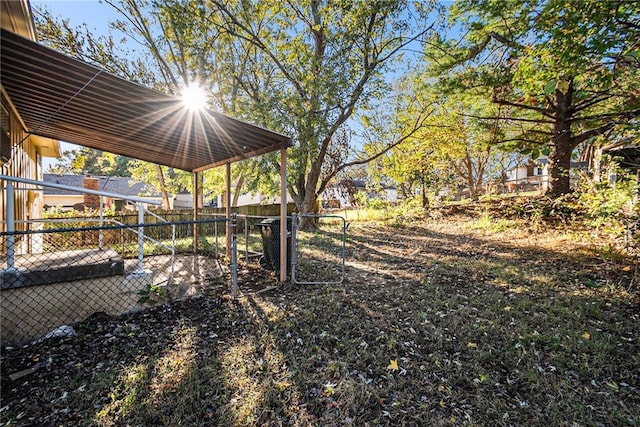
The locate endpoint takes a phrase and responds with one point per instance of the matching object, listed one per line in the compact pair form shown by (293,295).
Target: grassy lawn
(463,318)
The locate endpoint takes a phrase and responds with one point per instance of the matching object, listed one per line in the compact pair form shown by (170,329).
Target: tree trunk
(559,167)
(306,197)
(309,206)
(236,193)
(163,189)
(471,182)
(561,147)
(425,198)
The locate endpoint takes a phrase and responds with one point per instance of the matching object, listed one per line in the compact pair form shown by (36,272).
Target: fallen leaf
(393,365)
(472,345)
(283,385)
(586,335)
(626,268)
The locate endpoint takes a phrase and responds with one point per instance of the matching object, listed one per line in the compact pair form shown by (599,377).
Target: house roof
(541,161)
(112,184)
(63,98)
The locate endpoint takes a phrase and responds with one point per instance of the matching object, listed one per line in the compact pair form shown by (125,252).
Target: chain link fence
(57,273)
(318,249)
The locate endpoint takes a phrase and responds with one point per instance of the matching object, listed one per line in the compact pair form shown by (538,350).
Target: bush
(613,207)
(610,201)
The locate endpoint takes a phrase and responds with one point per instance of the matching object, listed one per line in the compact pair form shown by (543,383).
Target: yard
(463,318)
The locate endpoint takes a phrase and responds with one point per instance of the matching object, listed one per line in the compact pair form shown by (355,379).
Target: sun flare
(194,97)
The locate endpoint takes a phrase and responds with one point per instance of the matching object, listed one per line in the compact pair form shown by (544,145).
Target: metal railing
(33,184)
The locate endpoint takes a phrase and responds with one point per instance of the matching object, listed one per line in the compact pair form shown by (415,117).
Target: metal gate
(318,256)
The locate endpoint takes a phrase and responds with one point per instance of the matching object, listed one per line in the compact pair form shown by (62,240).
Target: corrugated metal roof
(63,98)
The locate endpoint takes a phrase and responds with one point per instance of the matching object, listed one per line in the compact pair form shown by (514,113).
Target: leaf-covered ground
(451,320)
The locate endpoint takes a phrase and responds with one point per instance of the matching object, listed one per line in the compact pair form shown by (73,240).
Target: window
(5,137)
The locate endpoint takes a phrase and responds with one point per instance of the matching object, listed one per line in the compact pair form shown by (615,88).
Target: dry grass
(452,320)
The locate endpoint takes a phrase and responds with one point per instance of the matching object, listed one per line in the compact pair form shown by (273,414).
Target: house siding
(24,162)
(24,159)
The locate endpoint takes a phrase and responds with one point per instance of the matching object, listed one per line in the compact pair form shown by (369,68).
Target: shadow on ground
(433,326)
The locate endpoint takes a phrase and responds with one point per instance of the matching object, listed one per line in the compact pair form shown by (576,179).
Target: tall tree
(452,148)
(302,68)
(398,138)
(568,70)
(306,67)
(86,160)
(466,142)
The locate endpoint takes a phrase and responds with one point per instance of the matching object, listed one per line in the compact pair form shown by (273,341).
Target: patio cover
(63,98)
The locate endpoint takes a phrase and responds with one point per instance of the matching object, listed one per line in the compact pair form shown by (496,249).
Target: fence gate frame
(294,248)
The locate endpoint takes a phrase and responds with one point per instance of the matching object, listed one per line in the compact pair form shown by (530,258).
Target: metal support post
(283,215)
(100,242)
(234,257)
(11,227)
(227,206)
(294,245)
(140,237)
(246,238)
(215,226)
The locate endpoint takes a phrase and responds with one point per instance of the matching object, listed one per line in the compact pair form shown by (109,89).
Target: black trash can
(270,232)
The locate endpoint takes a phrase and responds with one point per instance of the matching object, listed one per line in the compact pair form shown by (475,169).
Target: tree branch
(505,41)
(591,101)
(578,139)
(547,112)
(623,114)
(515,119)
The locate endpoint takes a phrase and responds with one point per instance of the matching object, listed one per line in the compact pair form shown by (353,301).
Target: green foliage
(603,202)
(174,180)
(563,71)
(301,68)
(56,212)
(86,160)
(152,294)
(453,147)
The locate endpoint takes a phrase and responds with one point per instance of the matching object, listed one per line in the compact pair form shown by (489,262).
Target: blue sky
(97,16)
(93,12)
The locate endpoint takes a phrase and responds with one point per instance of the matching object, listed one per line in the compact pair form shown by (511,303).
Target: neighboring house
(21,152)
(184,200)
(344,194)
(249,199)
(68,200)
(533,173)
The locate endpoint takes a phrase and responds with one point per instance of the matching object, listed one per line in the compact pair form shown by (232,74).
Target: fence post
(11,227)
(294,245)
(234,257)
(140,237)
(101,222)
(246,238)
(215,230)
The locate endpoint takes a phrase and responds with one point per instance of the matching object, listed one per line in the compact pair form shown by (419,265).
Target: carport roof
(63,98)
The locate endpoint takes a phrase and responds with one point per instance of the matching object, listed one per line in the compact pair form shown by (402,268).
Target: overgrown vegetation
(471,315)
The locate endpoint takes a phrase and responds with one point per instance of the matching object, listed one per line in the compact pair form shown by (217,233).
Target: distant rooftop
(113,184)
